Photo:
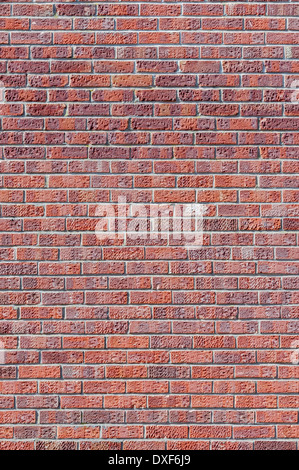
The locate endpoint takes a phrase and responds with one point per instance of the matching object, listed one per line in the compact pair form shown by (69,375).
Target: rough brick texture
(145,346)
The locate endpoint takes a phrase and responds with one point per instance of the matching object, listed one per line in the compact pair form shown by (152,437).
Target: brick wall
(153,344)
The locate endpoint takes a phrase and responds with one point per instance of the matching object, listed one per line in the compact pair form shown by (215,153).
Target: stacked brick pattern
(146,347)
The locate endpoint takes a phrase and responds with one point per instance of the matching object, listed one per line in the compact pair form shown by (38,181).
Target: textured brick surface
(139,346)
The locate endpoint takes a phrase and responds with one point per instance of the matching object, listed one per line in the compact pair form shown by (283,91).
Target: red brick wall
(135,345)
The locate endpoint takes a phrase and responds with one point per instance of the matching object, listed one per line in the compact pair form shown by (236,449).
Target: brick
(152,345)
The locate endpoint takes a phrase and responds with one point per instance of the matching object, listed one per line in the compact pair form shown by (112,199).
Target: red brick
(154,345)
